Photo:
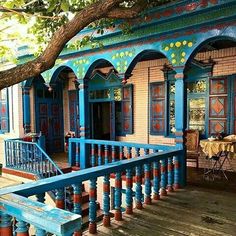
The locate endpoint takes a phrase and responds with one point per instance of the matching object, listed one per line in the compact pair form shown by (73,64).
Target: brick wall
(150,71)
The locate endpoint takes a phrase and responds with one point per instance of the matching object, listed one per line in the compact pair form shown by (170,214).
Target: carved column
(26,109)
(180,118)
(84,122)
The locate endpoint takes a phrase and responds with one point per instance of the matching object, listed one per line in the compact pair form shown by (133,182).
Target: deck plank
(193,211)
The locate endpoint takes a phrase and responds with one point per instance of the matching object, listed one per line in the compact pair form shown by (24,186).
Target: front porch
(190,211)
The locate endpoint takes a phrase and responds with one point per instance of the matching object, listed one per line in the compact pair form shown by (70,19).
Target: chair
(192,146)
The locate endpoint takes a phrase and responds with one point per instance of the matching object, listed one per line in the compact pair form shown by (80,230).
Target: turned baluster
(170,175)
(93,206)
(129,192)
(118,187)
(106,201)
(156,180)
(138,192)
(163,178)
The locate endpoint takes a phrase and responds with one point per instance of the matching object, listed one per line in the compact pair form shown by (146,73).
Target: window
(157,108)
(127,109)
(196,105)
(74,111)
(4,113)
(121,99)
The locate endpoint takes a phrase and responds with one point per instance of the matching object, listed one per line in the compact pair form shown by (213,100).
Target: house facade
(174,71)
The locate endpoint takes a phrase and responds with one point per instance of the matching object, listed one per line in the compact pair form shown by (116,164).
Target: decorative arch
(95,64)
(139,56)
(56,72)
(205,41)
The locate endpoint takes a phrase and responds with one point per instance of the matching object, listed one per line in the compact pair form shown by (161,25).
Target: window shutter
(127,109)
(157,108)
(218,106)
(4,114)
(74,112)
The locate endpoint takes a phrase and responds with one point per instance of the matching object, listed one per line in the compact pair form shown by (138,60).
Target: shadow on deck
(192,211)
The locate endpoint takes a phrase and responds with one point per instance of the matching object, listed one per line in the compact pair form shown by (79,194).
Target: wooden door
(49,117)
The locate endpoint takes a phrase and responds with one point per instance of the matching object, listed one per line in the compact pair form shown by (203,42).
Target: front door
(101,120)
(49,117)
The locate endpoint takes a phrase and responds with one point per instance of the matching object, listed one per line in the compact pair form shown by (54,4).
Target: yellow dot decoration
(172,55)
(178,44)
(184,42)
(190,44)
(171,45)
(183,54)
(166,48)
(182,60)
(173,61)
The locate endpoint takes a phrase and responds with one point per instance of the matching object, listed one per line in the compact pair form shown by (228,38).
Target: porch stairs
(29,160)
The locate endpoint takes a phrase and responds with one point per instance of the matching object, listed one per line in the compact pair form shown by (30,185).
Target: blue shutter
(4,113)
(73,112)
(127,109)
(218,105)
(157,108)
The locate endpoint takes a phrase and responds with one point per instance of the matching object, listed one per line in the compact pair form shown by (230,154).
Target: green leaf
(65,6)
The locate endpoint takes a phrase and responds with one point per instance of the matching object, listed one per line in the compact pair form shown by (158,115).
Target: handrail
(161,171)
(92,152)
(41,216)
(160,147)
(30,157)
(58,182)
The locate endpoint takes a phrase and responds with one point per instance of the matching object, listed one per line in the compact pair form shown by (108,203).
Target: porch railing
(164,167)
(91,152)
(17,213)
(29,157)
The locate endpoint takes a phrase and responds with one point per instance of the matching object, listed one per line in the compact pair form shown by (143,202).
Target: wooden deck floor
(192,211)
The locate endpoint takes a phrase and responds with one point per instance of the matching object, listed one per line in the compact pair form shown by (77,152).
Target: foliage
(53,24)
(42,18)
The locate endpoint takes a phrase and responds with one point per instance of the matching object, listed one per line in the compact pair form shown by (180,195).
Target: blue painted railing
(17,213)
(91,152)
(29,157)
(165,167)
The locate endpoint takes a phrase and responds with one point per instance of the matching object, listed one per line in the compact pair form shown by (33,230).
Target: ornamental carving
(178,50)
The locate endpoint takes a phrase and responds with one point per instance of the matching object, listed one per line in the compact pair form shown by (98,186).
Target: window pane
(172,116)
(117,94)
(198,86)
(197,110)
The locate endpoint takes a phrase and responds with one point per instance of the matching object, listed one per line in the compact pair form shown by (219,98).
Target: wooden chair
(192,146)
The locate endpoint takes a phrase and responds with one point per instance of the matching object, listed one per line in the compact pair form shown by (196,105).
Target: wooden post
(84,122)
(26,109)
(118,187)
(176,173)
(77,197)
(170,175)
(163,178)
(22,228)
(39,231)
(148,186)
(5,224)
(138,192)
(156,180)
(129,192)
(106,201)
(60,203)
(180,118)
(93,206)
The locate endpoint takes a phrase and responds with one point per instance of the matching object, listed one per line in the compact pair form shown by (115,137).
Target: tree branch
(127,13)
(66,32)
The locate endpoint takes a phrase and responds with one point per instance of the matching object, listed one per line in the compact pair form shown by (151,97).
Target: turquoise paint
(26,109)
(41,216)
